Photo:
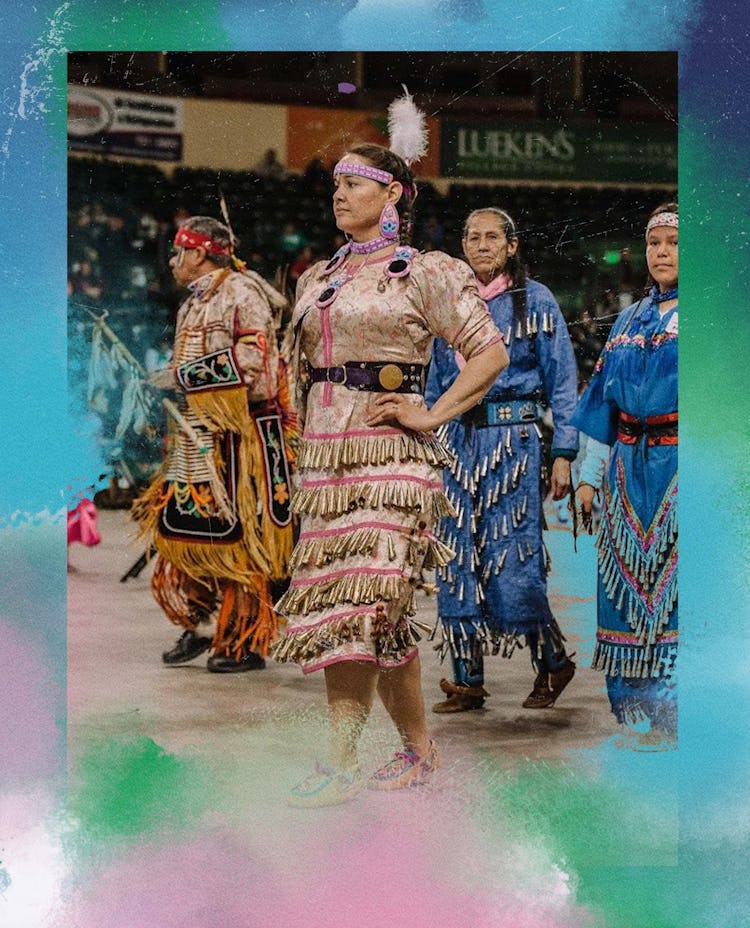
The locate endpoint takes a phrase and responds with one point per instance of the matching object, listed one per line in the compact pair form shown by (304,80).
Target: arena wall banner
(551,151)
(122,123)
(325,132)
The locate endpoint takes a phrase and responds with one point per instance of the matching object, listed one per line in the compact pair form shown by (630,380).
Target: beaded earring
(389,222)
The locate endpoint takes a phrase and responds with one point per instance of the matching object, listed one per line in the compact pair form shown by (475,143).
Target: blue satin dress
(636,638)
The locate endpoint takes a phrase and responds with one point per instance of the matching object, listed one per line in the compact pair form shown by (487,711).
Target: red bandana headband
(189,238)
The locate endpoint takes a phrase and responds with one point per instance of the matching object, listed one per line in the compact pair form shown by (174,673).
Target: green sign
(550,151)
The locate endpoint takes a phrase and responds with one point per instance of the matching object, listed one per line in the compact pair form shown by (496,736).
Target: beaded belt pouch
(373,376)
(503,412)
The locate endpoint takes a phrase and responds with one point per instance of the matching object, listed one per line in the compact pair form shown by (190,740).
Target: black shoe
(188,646)
(225,663)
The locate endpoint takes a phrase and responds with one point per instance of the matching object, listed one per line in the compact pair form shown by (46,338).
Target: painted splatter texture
(706,885)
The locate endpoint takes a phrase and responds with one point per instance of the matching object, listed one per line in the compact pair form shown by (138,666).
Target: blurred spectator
(588,342)
(317,178)
(258,262)
(432,234)
(269,166)
(146,236)
(291,242)
(85,285)
(304,260)
(99,221)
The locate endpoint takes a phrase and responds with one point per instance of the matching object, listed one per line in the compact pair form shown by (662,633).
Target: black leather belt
(373,376)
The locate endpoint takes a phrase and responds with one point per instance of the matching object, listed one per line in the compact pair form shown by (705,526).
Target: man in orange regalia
(217,511)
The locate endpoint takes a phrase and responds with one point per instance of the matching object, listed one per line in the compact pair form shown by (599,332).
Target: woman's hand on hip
(399,409)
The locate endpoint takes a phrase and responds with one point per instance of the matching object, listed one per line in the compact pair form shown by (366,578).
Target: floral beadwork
(211,371)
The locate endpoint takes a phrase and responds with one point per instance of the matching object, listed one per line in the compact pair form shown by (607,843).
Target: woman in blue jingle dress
(631,405)
(493,596)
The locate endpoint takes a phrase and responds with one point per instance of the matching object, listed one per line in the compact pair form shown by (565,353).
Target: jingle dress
(369,497)
(496,588)
(636,638)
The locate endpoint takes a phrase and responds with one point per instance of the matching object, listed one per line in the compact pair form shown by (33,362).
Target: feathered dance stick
(217,487)
(407,128)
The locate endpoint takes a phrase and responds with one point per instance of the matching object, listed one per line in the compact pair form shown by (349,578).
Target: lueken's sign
(629,153)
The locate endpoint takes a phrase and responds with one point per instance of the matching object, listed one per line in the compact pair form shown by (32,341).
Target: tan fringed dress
(369,497)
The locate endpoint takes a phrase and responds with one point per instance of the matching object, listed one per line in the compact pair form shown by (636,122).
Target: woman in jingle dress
(494,594)
(370,489)
(631,405)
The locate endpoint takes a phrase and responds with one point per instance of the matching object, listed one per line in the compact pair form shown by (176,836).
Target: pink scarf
(495,287)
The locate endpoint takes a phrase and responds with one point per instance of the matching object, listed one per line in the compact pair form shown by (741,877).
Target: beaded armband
(213,371)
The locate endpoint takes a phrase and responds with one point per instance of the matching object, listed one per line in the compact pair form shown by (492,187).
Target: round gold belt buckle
(390,377)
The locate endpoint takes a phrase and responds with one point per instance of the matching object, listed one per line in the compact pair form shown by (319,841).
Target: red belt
(659,430)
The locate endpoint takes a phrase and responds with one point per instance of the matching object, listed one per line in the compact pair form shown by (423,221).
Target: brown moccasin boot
(460,698)
(548,686)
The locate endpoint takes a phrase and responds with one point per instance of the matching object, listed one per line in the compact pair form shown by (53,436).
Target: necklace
(336,283)
(367,248)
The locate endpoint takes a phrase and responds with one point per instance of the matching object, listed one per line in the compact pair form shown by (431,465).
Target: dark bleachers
(570,237)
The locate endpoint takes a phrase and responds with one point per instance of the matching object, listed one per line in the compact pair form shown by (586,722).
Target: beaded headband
(189,238)
(662,219)
(363,170)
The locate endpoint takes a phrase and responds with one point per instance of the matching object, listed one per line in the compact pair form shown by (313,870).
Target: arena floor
(118,686)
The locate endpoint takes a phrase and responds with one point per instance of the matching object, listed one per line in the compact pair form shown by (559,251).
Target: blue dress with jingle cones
(496,589)
(636,638)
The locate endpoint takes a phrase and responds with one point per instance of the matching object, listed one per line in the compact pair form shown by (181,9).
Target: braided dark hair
(386,160)
(514,266)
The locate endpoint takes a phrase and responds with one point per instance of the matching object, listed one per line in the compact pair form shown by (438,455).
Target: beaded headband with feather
(407,132)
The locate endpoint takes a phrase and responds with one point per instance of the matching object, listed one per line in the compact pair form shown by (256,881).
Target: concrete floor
(119,687)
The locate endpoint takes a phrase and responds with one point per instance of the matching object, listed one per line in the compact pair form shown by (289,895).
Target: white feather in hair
(225,214)
(407,128)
